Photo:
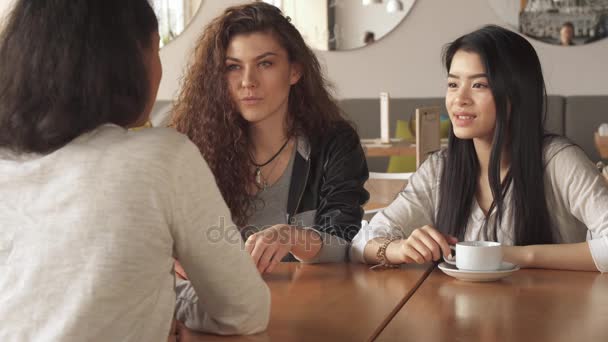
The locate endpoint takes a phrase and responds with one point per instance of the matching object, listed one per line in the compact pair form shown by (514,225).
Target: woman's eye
(232,67)
(452,85)
(265,64)
(480,85)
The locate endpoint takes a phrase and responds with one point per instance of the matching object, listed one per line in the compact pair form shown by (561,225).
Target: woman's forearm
(371,251)
(307,243)
(573,256)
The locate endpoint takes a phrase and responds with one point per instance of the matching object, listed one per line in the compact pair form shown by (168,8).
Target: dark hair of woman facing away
(66,74)
(516,81)
(206,113)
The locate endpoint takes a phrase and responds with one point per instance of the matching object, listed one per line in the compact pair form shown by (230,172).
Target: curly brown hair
(206,113)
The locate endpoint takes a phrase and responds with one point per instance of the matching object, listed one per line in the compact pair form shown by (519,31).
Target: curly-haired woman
(290,168)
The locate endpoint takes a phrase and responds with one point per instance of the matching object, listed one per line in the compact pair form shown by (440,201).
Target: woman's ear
(295,73)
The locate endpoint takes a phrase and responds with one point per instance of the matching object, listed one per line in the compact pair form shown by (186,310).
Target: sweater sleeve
(232,297)
(413,208)
(585,192)
(334,249)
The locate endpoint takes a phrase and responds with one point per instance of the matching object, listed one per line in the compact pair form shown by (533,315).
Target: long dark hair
(68,66)
(206,113)
(516,81)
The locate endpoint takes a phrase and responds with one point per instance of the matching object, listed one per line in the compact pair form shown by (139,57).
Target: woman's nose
(249,78)
(463,97)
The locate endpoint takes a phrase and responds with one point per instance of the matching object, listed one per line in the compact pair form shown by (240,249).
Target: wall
(509,10)
(5,6)
(406,62)
(311,19)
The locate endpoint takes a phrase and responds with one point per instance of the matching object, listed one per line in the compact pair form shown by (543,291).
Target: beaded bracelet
(381,255)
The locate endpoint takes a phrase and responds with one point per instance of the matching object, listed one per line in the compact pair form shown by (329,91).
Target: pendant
(258,176)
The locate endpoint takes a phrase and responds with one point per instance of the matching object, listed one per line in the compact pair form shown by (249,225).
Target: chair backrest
(428,136)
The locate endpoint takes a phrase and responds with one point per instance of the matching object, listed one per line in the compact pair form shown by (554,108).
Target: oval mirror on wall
(344,24)
(559,22)
(173,17)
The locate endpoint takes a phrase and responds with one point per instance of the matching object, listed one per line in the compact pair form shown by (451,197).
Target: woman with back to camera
(502,178)
(92,214)
(289,166)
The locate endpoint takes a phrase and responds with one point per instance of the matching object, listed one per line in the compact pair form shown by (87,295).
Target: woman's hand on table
(424,245)
(268,247)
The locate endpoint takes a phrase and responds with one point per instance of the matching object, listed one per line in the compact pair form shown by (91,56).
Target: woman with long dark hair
(91,213)
(290,168)
(501,178)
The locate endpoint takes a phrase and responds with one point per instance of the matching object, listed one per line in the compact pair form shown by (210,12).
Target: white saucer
(506,269)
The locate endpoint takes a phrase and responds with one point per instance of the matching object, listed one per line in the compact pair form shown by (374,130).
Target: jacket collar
(303,147)
(299,177)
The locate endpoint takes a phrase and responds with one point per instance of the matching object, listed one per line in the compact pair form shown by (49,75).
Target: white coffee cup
(478,256)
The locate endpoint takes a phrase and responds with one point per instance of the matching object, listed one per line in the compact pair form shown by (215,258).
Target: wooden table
(387,150)
(530,305)
(332,302)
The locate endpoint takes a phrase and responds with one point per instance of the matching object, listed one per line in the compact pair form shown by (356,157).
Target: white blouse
(576,194)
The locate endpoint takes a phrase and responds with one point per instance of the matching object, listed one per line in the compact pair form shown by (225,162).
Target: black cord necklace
(258,167)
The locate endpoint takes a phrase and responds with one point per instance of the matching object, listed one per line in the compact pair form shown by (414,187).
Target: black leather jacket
(326,190)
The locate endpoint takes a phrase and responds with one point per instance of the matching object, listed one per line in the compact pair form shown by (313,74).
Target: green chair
(397,164)
(444,126)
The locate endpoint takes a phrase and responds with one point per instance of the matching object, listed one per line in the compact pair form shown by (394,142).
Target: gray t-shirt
(272,209)
(271,203)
